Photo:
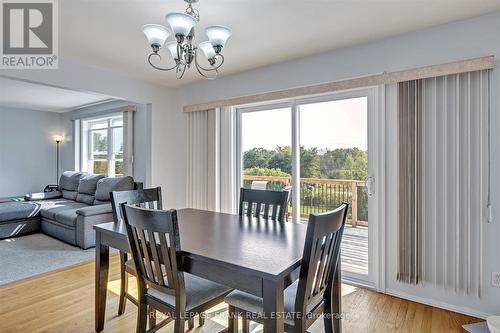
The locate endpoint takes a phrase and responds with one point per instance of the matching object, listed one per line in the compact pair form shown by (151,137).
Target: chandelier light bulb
(172,47)
(180,23)
(218,35)
(207,49)
(156,34)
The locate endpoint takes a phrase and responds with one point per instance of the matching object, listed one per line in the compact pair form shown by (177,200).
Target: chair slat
(156,258)
(146,262)
(329,256)
(166,261)
(266,211)
(275,212)
(257,209)
(249,208)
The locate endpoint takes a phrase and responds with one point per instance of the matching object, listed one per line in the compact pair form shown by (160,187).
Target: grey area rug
(30,255)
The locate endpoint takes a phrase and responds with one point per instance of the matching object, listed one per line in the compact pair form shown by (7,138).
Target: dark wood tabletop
(258,256)
(267,248)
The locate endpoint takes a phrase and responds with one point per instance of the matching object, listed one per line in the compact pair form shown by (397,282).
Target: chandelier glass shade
(182,50)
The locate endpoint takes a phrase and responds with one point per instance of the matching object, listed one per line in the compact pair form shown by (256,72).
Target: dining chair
(150,198)
(311,295)
(154,240)
(264,203)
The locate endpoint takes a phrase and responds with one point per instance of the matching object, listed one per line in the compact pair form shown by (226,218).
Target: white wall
(165,126)
(27,150)
(455,41)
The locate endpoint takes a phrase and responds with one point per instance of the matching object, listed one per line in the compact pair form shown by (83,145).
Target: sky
(326,125)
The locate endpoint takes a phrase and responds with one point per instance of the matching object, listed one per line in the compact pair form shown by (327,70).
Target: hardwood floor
(63,301)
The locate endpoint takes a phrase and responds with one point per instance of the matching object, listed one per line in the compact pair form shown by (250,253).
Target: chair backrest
(145,198)
(268,204)
(154,242)
(320,257)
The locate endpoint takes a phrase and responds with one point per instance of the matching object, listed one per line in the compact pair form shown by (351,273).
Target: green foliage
(310,162)
(257,158)
(340,163)
(344,163)
(272,172)
(282,159)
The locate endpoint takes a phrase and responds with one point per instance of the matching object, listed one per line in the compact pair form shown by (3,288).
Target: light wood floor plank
(63,301)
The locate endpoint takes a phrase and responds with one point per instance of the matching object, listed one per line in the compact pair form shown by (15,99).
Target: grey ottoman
(18,218)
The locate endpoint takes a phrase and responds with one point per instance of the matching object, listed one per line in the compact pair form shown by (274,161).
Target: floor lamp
(58,139)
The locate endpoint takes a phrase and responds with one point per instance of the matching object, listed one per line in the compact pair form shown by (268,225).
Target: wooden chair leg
(142,318)
(152,318)
(123,284)
(245,323)
(232,317)
(201,318)
(190,323)
(179,325)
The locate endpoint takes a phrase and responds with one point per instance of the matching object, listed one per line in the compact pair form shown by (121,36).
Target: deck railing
(319,195)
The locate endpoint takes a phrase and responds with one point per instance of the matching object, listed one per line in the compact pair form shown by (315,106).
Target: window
(324,150)
(102,145)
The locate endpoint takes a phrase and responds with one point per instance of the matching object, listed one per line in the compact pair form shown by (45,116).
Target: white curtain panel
(211,160)
(128,140)
(227,161)
(451,160)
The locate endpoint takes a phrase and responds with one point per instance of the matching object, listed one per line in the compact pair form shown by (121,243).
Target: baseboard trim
(442,305)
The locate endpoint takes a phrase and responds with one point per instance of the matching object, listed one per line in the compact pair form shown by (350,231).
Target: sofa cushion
(70,195)
(67,217)
(88,184)
(87,188)
(52,208)
(70,180)
(85,198)
(15,210)
(106,185)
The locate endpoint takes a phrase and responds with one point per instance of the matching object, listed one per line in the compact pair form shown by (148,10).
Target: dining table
(255,255)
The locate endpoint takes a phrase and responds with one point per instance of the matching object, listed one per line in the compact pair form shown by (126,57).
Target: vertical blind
(443,180)
(211,157)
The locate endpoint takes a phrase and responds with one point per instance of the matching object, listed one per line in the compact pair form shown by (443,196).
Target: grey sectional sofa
(82,201)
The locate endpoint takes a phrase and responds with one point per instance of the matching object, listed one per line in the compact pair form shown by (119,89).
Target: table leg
(101,281)
(337,301)
(273,306)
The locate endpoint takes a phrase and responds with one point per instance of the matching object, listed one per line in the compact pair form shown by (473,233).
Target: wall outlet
(495,279)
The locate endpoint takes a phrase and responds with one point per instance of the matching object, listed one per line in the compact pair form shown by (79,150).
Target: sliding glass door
(321,149)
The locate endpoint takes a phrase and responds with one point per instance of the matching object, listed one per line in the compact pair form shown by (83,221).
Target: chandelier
(182,50)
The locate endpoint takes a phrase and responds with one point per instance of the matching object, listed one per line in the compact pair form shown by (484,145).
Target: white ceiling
(108,32)
(27,95)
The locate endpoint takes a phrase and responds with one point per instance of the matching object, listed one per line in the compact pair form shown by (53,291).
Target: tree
(345,163)
(282,159)
(257,158)
(309,162)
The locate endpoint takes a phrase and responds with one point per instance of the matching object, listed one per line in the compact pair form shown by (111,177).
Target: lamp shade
(208,49)
(218,35)
(180,23)
(172,47)
(156,34)
(58,138)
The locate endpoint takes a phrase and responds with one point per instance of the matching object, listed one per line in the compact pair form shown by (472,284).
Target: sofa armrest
(95,210)
(43,196)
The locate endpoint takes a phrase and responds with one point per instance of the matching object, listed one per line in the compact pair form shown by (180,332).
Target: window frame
(86,148)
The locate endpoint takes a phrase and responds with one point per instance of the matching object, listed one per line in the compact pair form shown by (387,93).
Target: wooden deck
(355,250)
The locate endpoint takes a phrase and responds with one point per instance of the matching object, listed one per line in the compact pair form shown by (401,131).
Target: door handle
(370,185)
